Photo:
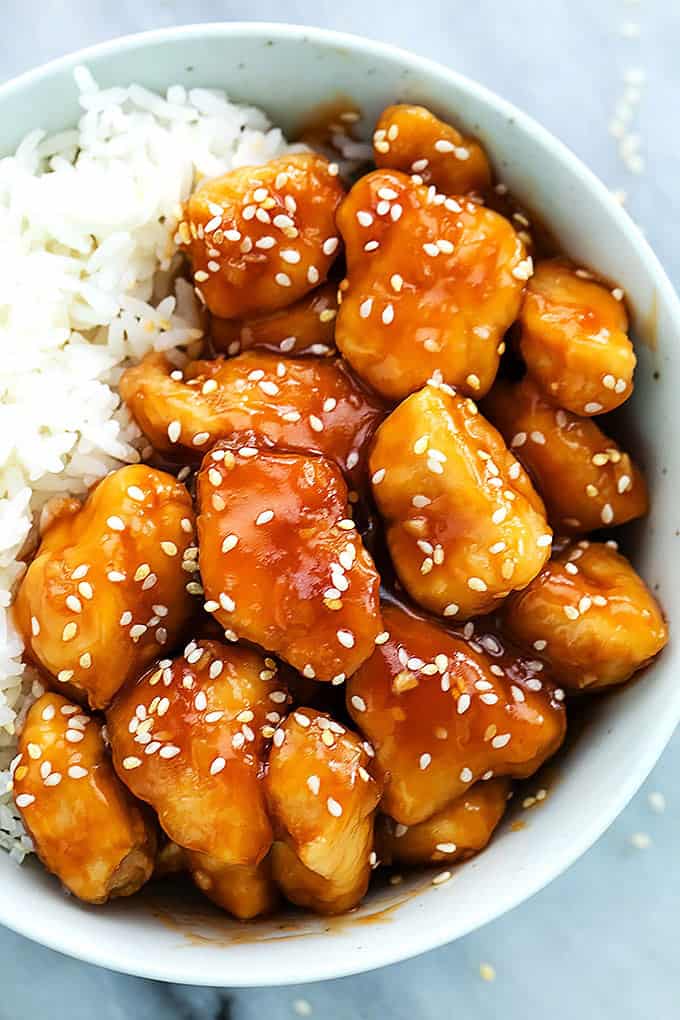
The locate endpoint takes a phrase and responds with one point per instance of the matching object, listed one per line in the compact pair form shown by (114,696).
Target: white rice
(87,282)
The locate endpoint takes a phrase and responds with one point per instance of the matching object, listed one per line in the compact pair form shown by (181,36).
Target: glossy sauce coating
(458,831)
(574,340)
(432,285)
(444,711)
(190,737)
(305,327)
(106,590)
(282,562)
(586,480)
(590,615)
(322,798)
(259,238)
(310,404)
(87,829)
(464,524)
(244,890)
(412,139)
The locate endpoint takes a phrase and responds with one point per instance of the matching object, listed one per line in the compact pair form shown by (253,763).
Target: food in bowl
(330,617)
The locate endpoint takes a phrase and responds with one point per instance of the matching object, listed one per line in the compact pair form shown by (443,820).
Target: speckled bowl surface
(289,71)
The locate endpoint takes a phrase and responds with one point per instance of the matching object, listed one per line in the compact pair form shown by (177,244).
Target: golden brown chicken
(106,591)
(305,327)
(412,139)
(458,831)
(244,890)
(322,800)
(190,738)
(87,828)
(590,616)
(464,524)
(311,405)
(443,710)
(259,238)
(282,562)
(574,339)
(584,477)
(431,286)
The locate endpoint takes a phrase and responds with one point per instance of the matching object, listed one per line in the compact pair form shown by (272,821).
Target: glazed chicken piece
(432,285)
(106,591)
(590,616)
(282,562)
(412,139)
(190,738)
(261,237)
(87,829)
(306,327)
(443,711)
(574,339)
(312,405)
(244,890)
(322,800)
(458,831)
(585,478)
(464,524)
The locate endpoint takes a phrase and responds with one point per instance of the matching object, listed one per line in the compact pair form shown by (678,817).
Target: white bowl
(289,70)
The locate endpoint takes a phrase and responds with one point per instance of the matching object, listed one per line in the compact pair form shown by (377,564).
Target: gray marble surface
(601,942)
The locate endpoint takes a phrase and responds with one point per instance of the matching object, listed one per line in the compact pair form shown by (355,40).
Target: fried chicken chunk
(282,562)
(87,828)
(261,237)
(464,524)
(458,831)
(244,890)
(312,405)
(190,737)
(443,711)
(574,340)
(586,480)
(431,286)
(322,800)
(305,327)
(412,139)
(590,616)
(106,590)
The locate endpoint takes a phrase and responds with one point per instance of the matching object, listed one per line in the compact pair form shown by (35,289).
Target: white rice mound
(88,283)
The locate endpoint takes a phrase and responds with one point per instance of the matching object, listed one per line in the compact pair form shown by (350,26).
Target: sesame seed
(314,784)
(334,808)
(424,761)
(388,314)
(607,514)
(500,741)
(487,972)
(25,800)
(200,438)
(69,631)
(346,638)
(640,840)
(265,517)
(217,765)
(476,584)
(441,878)
(115,523)
(169,751)
(451,609)
(657,802)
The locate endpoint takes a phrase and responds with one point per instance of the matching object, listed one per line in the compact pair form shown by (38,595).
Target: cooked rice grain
(88,270)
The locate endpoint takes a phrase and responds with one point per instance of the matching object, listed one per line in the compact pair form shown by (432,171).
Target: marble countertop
(600,942)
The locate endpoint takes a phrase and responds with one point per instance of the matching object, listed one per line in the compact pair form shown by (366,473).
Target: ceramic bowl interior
(289,71)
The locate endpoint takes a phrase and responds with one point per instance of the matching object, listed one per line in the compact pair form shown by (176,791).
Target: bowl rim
(424,938)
